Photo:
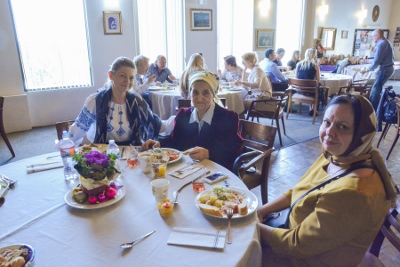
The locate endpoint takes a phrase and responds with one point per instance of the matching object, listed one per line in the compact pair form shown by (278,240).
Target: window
(160,28)
(289,35)
(235,29)
(52,43)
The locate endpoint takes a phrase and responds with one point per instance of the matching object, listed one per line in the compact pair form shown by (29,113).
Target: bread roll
(210,210)
(242,209)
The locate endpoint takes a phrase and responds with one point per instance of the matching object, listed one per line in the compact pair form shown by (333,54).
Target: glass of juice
(159,166)
(132,158)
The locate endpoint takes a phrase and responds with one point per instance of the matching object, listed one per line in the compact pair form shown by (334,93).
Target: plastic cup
(160,189)
(165,207)
(159,165)
(132,158)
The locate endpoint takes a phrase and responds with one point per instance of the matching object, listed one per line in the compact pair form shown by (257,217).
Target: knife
(130,244)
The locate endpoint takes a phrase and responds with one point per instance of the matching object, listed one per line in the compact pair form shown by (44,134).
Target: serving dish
(86,206)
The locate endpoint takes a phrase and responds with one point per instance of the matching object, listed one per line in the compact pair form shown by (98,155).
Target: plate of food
(93,147)
(173,154)
(20,255)
(86,206)
(215,201)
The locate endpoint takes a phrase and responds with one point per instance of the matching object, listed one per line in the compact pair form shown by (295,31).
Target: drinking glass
(159,165)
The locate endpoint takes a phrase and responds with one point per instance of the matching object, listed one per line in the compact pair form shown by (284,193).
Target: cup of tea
(144,161)
(160,189)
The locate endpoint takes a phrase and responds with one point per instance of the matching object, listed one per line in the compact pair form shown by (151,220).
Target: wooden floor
(290,163)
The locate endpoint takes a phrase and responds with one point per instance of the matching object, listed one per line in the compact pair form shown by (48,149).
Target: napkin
(43,166)
(191,169)
(197,237)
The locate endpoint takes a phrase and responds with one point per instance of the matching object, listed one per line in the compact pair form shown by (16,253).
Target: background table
(164,103)
(35,213)
(335,81)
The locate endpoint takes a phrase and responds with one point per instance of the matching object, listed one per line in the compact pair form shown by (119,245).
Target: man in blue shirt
(384,58)
(160,70)
(280,82)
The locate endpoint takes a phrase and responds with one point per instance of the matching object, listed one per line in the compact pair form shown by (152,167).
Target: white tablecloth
(35,213)
(164,103)
(335,81)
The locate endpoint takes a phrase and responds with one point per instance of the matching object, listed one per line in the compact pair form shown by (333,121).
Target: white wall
(204,42)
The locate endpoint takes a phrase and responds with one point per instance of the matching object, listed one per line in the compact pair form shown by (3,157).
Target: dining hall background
(24,110)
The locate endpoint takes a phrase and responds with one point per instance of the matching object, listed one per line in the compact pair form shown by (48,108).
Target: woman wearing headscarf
(334,225)
(207,129)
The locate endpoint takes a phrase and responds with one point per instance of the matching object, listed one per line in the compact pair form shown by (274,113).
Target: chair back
(258,143)
(390,229)
(63,126)
(309,92)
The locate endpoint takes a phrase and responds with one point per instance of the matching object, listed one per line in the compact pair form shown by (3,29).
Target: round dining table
(165,102)
(335,81)
(36,213)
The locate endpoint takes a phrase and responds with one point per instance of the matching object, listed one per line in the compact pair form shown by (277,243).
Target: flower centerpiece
(97,170)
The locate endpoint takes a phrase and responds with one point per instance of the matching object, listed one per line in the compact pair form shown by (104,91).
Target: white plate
(18,246)
(175,160)
(86,206)
(155,88)
(252,202)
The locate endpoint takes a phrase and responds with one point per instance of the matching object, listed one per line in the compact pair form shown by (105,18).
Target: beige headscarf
(208,77)
(360,150)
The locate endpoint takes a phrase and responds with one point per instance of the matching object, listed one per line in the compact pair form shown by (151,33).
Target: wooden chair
(63,126)
(303,91)
(271,108)
(186,103)
(361,86)
(2,131)
(390,230)
(253,165)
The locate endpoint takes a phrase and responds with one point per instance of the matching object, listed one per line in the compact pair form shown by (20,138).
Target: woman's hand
(150,144)
(199,153)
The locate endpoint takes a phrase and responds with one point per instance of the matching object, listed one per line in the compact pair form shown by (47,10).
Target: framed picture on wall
(112,22)
(363,45)
(345,34)
(264,39)
(200,19)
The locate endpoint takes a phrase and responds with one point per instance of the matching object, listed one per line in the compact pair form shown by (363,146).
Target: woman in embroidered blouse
(195,63)
(231,71)
(334,226)
(116,112)
(257,83)
(209,130)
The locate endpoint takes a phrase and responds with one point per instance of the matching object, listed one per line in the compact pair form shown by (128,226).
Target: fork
(229,212)
(9,181)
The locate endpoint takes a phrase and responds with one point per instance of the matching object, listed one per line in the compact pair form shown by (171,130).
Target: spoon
(130,244)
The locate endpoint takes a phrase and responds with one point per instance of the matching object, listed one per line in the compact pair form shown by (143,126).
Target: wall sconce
(323,10)
(264,6)
(363,13)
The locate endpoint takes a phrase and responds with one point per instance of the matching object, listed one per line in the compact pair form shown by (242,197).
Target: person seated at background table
(257,83)
(280,53)
(160,70)
(141,85)
(231,71)
(271,69)
(334,225)
(291,65)
(207,129)
(116,112)
(308,69)
(196,62)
